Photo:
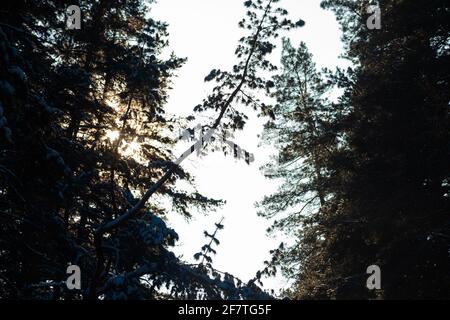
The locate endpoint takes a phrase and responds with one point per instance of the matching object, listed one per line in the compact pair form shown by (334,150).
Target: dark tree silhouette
(382,158)
(84,145)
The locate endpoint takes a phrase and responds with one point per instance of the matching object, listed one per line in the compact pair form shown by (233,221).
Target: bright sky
(206,32)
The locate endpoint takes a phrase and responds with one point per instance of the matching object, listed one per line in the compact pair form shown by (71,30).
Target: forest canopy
(88,176)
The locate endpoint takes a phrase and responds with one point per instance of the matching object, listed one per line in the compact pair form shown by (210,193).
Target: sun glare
(112,135)
(131,149)
(126,149)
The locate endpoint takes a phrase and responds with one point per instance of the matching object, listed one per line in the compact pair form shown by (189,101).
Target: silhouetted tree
(83,142)
(386,177)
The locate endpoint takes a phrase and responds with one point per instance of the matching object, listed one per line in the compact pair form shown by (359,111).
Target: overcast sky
(206,32)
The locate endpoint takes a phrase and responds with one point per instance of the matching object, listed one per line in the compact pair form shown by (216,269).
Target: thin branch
(120,220)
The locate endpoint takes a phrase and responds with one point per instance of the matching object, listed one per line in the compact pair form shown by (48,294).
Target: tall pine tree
(386,177)
(84,141)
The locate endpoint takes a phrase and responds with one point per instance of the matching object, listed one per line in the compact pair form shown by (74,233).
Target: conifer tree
(303,133)
(84,142)
(385,173)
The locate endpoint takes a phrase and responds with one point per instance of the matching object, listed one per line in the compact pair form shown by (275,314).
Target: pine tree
(385,181)
(395,166)
(303,133)
(68,91)
(84,144)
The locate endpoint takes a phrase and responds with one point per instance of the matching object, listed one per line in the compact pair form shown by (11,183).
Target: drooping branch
(141,203)
(133,211)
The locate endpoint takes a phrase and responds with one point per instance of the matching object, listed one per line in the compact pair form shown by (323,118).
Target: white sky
(206,32)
